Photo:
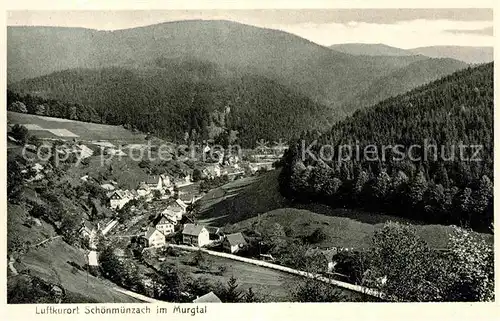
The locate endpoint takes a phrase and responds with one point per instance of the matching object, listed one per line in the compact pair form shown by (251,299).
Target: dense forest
(434,185)
(174,98)
(36,105)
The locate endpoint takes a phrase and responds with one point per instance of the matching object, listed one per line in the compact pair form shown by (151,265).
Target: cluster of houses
(147,189)
(198,235)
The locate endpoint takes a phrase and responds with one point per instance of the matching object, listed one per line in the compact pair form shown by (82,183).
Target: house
(154,183)
(234,242)
(165,225)
(175,211)
(173,214)
(196,235)
(119,198)
(210,297)
(87,230)
(152,238)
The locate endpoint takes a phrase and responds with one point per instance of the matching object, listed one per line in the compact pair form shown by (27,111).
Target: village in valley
(153,213)
(217,159)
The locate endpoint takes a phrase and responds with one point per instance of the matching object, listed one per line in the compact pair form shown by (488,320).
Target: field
(58,128)
(266,283)
(241,199)
(236,207)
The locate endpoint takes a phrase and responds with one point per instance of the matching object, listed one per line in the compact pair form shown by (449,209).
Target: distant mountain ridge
(471,55)
(370,49)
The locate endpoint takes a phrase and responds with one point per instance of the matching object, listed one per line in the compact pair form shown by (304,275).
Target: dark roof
(209,297)
(163,220)
(192,229)
(236,239)
(212,229)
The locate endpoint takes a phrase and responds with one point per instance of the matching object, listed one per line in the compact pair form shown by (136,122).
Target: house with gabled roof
(87,229)
(154,182)
(152,238)
(196,235)
(175,211)
(165,225)
(234,242)
(118,198)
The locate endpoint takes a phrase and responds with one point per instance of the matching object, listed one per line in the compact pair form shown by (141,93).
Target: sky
(403,28)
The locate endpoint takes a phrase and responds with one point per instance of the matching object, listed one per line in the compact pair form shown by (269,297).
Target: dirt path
(46,240)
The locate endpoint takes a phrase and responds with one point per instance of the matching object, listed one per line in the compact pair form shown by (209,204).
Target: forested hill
(404,79)
(441,187)
(318,72)
(172,97)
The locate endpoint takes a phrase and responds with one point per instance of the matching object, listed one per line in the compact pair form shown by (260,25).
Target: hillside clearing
(51,127)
